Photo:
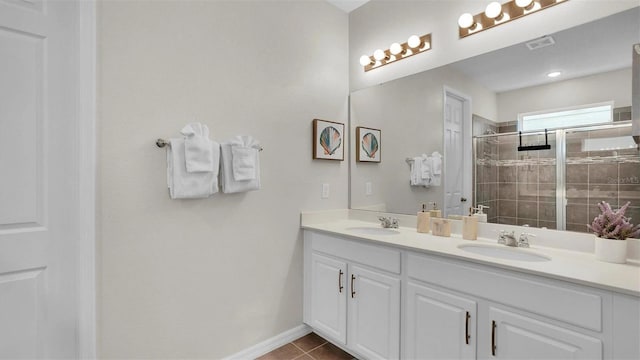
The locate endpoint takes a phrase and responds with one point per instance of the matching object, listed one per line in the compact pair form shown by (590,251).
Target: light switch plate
(325,191)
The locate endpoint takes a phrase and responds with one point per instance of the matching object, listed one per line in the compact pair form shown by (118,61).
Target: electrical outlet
(368,188)
(325,191)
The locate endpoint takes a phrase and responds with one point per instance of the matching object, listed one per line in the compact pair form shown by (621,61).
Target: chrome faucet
(388,222)
(523,241)
(508,239)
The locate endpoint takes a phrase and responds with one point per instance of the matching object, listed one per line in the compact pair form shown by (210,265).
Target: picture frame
(368,144)
(328,140)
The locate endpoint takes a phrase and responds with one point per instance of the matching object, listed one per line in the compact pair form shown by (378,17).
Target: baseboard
(273,343)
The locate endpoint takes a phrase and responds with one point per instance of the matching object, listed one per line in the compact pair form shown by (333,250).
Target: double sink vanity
(384,293)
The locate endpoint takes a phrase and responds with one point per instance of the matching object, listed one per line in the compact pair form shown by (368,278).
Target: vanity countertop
(573,266)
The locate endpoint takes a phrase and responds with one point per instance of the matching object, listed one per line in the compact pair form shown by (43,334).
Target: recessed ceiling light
(554,74)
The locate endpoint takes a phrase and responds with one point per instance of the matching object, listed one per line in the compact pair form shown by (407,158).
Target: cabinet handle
(493,337)
(340,287)
(466,329)
(353,291)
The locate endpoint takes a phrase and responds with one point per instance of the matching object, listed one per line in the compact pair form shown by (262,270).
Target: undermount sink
(503,252)
(372,230)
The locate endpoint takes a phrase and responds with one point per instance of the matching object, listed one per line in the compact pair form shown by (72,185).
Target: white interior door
(38,179)
(454,115)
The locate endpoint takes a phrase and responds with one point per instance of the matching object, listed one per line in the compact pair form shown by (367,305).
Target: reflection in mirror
(490,96)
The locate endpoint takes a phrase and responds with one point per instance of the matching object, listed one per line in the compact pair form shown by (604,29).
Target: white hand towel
(229,183)
(436,167)
(198,149)
(244,162)
(183,184)
(425,167)
(416,173)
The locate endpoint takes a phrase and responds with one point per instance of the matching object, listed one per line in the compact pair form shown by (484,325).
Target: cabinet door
(374,314)
(519,337)
(439,325)
(328,297)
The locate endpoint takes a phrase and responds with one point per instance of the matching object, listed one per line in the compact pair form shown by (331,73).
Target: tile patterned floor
(308,347)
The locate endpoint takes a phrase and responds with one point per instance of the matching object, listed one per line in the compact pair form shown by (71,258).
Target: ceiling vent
(540,43)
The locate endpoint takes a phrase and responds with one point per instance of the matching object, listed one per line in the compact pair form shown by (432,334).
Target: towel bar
(162,143)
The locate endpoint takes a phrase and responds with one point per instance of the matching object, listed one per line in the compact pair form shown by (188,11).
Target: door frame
(467,146)
(87,164)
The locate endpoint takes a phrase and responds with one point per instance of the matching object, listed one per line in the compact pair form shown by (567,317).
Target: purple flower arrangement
(612,224)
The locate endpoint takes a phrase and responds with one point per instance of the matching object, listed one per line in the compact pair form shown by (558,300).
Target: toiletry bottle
(435,213)
(424,219)
(470,226)
(482,217)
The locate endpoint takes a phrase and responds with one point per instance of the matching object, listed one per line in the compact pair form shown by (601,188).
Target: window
(566,118)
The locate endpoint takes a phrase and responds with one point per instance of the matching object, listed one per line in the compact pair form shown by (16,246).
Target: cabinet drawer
(371,255)
(554,299)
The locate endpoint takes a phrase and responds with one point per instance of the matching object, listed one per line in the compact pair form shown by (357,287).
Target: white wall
(613,85)
(381,22)
(208,278)
(410,113)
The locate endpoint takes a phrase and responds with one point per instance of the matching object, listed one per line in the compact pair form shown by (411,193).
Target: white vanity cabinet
(352,295)
(438,324)
(453,308)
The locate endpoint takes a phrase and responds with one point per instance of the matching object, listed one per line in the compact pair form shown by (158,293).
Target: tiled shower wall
(520,187)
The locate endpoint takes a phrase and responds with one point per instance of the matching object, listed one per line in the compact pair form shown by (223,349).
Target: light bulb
(395,48)
(414,41)
(554,74)
(466,21)
(494,10)
(524,4)
(427,46)
(379,55)
(365,60)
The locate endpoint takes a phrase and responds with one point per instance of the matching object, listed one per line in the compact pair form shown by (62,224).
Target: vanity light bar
(414,45)
(498,14)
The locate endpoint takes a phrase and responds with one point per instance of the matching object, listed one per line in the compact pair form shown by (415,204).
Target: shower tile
(633,212)
(528,222)
(547,173)
(547,211)
(489,174)
(603,174)
(507,151)
(527,173)
(493,191)
(506,208)
(629,174)
(527,191)
(547,192)
(577,193)
(630,193)
(507,220)
(528,209)
(577,227)
(507,174)
(547,224)
(507,191)
(577,214)
(577,173)
(608,193)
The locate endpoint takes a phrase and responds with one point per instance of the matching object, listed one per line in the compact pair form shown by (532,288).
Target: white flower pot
(610,250)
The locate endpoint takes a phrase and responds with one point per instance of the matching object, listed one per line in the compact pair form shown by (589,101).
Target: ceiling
(599,46)
(348,5)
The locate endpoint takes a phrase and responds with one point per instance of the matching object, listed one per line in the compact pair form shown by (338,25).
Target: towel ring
(163,143)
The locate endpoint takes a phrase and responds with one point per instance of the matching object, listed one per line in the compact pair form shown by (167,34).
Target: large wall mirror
(471,111)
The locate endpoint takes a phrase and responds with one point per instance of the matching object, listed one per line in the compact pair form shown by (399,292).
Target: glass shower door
(602,164)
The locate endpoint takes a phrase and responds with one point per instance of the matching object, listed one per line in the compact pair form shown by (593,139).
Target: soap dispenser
(435,213)
(482,217)
(470,226)
(424,218)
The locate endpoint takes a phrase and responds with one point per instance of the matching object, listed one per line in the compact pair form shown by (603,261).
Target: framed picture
(328,140)
(368,144)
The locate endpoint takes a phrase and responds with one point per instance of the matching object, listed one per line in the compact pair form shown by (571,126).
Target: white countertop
(573,266)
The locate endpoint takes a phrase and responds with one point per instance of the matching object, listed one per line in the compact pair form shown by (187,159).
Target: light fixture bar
(384,57)
(472,24)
